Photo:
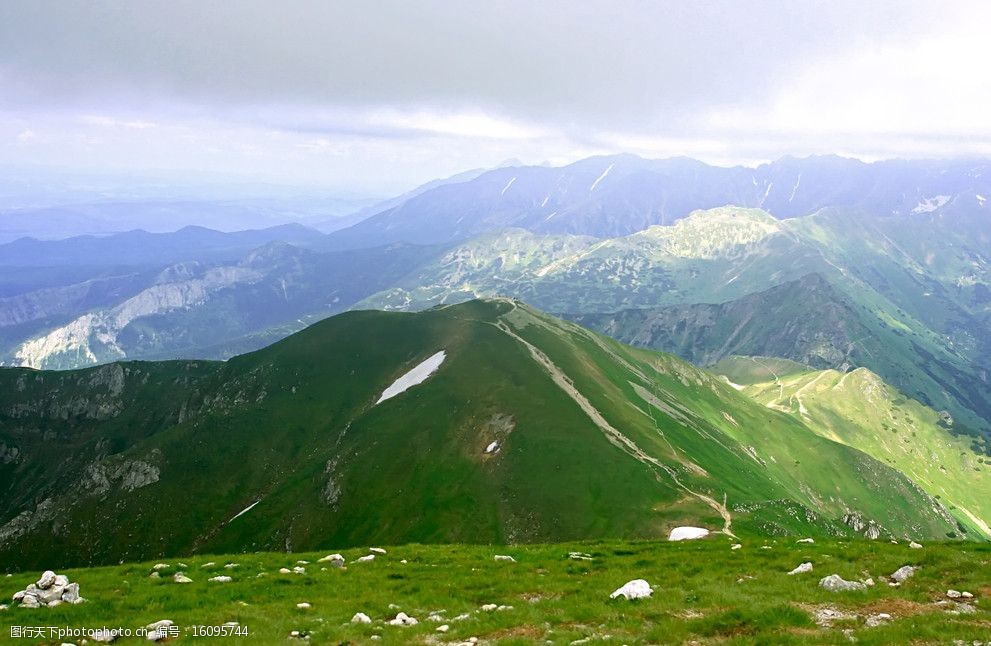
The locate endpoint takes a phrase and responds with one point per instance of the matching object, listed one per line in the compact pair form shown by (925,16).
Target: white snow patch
(601,177)
(414,377)
(245,510)
(795,188)
(930,204)
(492,447)
(544,203)
(981,199)
(687,533)
(506,187)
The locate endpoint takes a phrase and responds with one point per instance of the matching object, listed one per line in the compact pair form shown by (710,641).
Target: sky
(374,97)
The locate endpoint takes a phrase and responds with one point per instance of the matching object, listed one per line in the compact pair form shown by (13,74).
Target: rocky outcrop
(49,590)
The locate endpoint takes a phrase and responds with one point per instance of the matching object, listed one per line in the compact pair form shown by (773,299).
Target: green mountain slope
(531,429)
(858,409)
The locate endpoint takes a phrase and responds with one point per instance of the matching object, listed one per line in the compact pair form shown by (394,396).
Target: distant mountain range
(899,252)
(523,428)
(614,196)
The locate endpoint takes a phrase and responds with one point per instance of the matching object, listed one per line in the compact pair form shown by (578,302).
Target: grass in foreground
(704,592)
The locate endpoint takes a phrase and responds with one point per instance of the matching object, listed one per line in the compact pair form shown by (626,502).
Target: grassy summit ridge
(286,448)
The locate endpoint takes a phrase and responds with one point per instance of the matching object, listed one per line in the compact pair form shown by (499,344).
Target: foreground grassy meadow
(704,592)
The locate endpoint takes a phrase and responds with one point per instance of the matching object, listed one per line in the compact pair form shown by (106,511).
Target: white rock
(966,595)
(231,566)
(504,557)
(160,566)
(489,607)
(443,628)
(579,556)
(635,589)
(802,569)
(463,616)
(284,570)
(46,580)
(3,607)
(336,560)
(836,583)
(903,573)
(210,564)
(361,618)
(953,594)
(299,570)
(302,562)
(180,577)
(736,546)
(915,546)
(19,595)
(376,550)
(502,608)
(365,559)
(61,580)
(104,635)
(687,533)
(154,575)
(805,540)
(54,602)
(303,605)
(402,619)
(220,579)
(30,601)
(158,630)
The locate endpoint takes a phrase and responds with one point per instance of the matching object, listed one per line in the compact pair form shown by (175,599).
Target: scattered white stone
(361,618)
(299,570)
(154,575)
(180,577)
(161,566)
(376,550)
(336,560)
(503,608)
(104,635)
(183,566)
(953,594)
(303,606)
(579,556)
(159,630)
(443,628)
(505,557)
(765,547)
(805,540)
(404,561)
(3,607)
(802,569)
(210,564)
(231,566)
(687,533)
(873,621)
(220,579)
(903,573)
(736,546)
(365,559)
(635,589)
(915,546)
(824,617)
(462,617)
(489,607)
(402,619)
(46,581)
(836,583)
(284,570)
(966,595)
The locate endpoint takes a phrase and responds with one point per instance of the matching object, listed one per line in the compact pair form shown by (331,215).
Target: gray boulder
(836,583)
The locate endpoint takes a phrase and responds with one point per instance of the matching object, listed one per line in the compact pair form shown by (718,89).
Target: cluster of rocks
(50,590)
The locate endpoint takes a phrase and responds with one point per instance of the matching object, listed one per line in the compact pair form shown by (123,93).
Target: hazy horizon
(378,99)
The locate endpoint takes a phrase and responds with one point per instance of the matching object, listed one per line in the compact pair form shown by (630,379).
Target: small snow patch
(493,447)
(245,510)
(506,187)
(687,533)
(930,204)
(414,377)
(600,178)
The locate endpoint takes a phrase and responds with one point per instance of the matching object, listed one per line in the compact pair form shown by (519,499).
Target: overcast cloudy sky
(377,96)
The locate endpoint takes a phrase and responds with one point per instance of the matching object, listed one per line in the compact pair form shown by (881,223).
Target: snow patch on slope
(506,187)
(245,510)
(414,377)
(930,204)
(600,178)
